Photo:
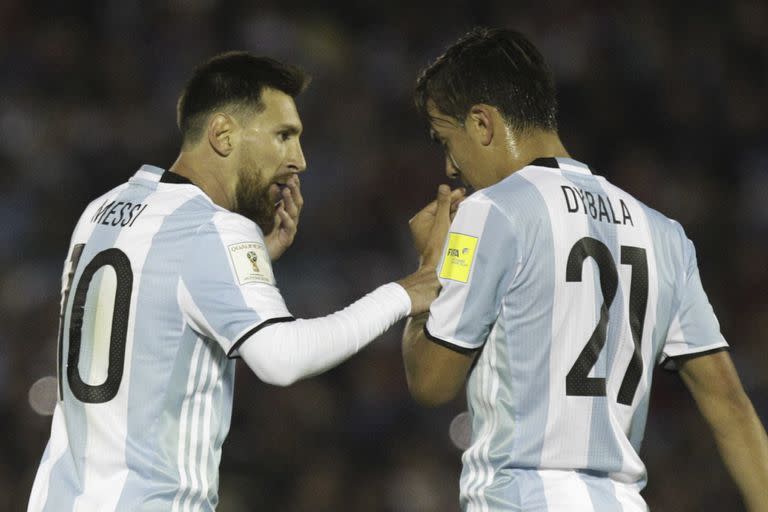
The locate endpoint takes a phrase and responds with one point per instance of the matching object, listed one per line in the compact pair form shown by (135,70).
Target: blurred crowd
(666,100)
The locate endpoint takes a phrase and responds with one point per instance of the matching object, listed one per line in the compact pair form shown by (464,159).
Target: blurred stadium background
(666,100)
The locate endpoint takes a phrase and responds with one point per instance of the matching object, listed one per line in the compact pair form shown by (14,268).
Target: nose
(296,161)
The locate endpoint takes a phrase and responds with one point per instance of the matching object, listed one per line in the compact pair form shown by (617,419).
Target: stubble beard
(252,200)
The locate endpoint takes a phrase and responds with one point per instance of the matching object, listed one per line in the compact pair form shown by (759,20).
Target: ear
(221,131)
(480,123)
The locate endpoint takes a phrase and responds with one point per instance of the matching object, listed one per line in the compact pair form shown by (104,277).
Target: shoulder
(517,201)
(670,239)
(230,227)
(103,199)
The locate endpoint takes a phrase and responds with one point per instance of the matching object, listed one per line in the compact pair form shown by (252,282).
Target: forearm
(743,445)
(413,336)
(283,353)
(435,374)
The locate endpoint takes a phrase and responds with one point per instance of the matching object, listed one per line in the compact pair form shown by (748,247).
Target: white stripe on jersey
(198,486)
(183,426)
(482,476)
(194,440)
(565,491)
(207,418)
(576,304)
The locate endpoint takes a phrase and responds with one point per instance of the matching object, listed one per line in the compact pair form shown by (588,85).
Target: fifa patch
(459,255)
(251,263)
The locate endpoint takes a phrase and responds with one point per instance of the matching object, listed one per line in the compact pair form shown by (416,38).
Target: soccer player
(561,293)
(169,278)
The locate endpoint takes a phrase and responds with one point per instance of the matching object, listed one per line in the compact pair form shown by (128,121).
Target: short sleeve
(694,329)
(476,270)
(227,290)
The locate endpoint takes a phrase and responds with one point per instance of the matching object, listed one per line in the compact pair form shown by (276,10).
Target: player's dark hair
(495,66)
(233,80)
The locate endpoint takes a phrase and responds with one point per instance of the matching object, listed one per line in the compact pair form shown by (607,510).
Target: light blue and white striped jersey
(572,291)
(159,288)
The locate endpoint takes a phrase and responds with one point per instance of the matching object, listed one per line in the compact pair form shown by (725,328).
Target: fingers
(442,214)
(285,221)
(294,187)
(457,196)
(442,222)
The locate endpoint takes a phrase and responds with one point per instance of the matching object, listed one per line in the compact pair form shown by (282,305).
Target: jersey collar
(565,164)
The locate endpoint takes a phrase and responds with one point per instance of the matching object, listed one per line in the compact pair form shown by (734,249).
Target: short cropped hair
(232,81)
(495,66)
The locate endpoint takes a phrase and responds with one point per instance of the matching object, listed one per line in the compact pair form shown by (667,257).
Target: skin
(482,151)
(738,432)
(245,163)
(250,162)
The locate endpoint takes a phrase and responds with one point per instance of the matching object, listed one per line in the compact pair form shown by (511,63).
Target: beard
(252,200)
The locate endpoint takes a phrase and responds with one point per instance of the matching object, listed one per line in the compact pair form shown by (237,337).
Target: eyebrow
(290,129)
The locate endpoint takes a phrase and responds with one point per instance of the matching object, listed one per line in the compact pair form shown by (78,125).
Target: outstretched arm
(284,352)
(741,438)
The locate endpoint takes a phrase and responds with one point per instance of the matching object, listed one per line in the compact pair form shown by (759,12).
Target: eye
(284,136)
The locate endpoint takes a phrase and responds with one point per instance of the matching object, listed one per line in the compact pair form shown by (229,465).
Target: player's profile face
(269,154)
(451,135)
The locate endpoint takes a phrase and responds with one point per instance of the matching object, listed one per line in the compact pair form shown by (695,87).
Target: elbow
(282,379)
(277,371)
(431,394)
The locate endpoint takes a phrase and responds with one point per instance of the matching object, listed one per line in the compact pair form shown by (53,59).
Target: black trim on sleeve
(685,357)
(256,329)
(448,345)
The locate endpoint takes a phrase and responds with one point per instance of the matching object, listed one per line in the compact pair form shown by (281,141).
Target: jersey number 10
(578,382)
(106,391)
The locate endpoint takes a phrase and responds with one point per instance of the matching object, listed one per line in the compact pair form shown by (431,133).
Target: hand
(429,228)
(286,219)
(423,224)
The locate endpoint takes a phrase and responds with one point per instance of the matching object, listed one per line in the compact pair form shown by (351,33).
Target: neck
(205,175)
(522,150)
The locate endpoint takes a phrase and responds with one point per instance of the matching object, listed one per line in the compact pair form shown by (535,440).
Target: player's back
(145,401)
(574,291)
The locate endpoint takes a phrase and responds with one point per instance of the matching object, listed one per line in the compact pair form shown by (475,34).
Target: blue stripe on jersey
(530,321)
(601,492)
(63,490)
(519,490)
(160,360)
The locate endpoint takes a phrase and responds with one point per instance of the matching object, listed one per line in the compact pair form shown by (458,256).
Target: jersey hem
(253,331)
(450,345)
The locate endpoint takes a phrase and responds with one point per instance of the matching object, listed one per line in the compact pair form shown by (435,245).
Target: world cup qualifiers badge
(250,261)
(253,258)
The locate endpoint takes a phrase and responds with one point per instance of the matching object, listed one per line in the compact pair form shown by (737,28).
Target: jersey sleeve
(478,265)
(694,329)
(227,290)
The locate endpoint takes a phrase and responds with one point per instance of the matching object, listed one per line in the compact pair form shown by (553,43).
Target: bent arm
(282,353)
(740,437)
(435,374)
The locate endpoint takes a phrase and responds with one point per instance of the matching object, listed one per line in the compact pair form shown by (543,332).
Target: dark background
(667,102)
